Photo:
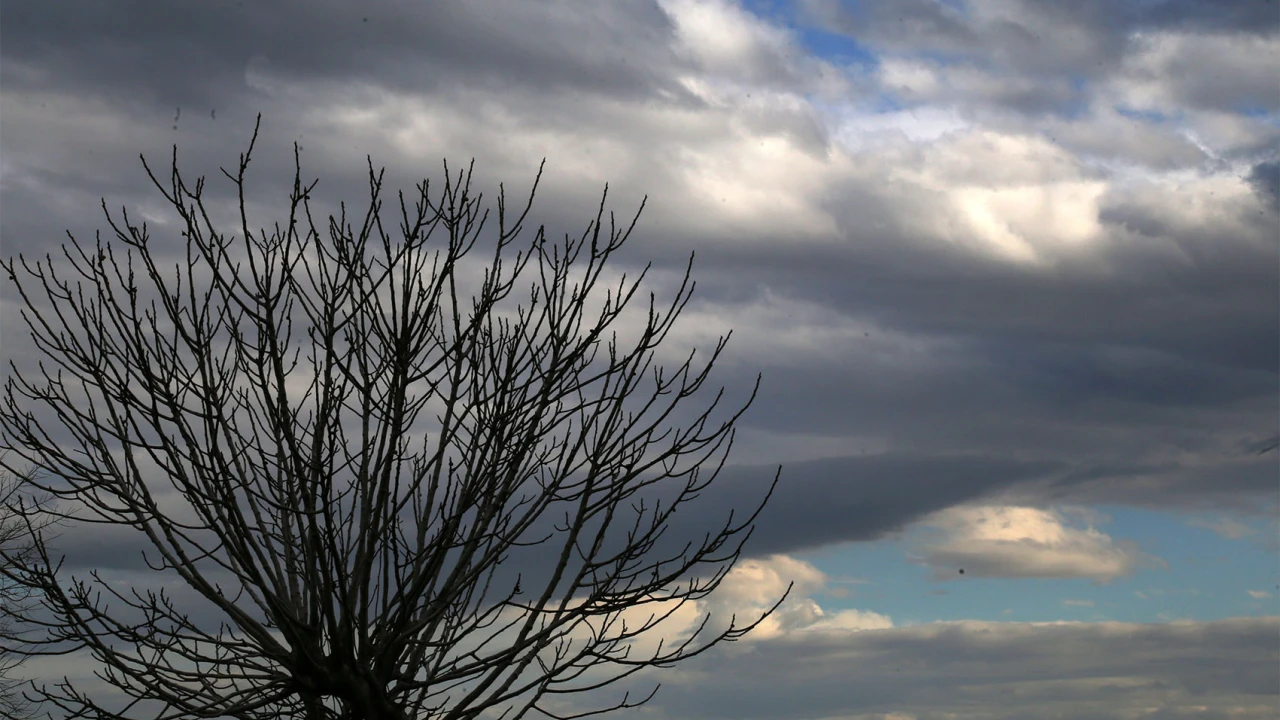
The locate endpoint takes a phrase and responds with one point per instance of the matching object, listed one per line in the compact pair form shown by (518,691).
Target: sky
(1009,269)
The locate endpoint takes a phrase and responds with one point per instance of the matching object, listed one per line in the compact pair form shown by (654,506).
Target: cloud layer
(971,670)
(993,257)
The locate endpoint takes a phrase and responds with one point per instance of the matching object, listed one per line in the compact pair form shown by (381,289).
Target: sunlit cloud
(1004,541)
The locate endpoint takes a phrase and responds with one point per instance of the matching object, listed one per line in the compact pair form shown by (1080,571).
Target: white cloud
(1018,198)
(1183,207)
(1259,594)
(1011,541)
(724,38)
(733,49)
(1007,196)
(755,584)
(755,184)
(860,130)
(850,621)
(912,78)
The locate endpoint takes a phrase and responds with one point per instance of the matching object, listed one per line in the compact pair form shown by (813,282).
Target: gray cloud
(1264,178)
(971,670)
(1244,16)
(199,58)
(1047,62)
(912,362)
(1127,363)
(864,497)
(850,664)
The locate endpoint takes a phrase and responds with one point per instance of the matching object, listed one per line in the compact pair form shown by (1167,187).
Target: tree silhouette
(383,495)
(15,541)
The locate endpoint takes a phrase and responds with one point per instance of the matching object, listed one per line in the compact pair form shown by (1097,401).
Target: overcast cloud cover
(1010,269)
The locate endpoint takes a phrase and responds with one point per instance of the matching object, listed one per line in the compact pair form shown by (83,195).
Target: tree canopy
(388,478)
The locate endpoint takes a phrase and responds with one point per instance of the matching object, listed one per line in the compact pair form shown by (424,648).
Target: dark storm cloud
(862,497)
(1243,16)
(867,497)
(197,56)
(134,71)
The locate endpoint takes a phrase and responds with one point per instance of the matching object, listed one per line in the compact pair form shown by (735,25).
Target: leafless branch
(408,489)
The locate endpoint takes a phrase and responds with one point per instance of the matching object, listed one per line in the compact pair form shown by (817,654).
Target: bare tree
(19,522)
(385,496)
(10,595)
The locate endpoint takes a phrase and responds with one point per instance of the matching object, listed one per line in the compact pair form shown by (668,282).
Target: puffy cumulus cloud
(972,670)
(1003,541)
(754,585)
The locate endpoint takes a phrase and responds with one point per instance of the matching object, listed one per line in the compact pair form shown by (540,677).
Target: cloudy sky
(1010,270)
